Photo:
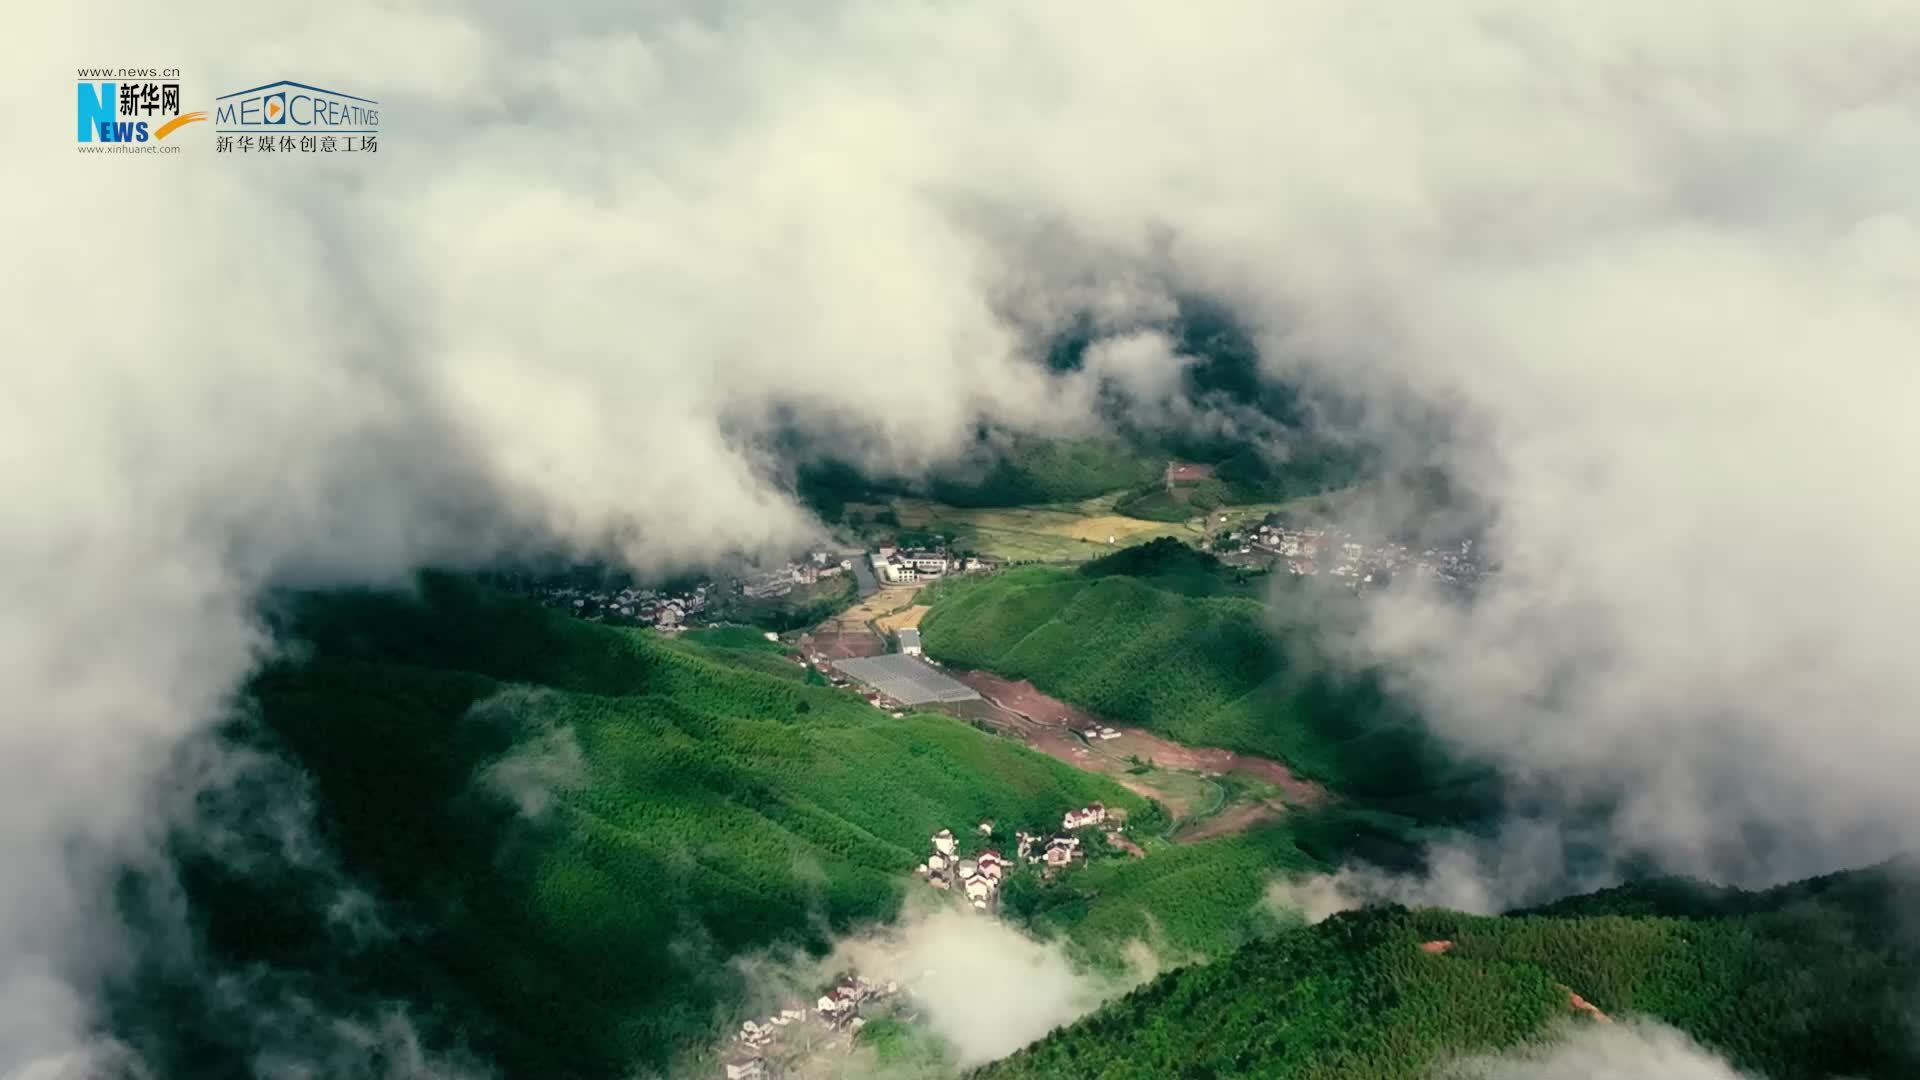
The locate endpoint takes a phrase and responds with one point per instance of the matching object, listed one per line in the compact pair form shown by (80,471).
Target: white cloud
(1662,256)
(1589,1051)
(979,986)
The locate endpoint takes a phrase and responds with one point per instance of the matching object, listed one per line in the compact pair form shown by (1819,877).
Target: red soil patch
(1187,472)
(1047,724)
(1022,697)
(1436,947)
(838,644)
(1583,1005)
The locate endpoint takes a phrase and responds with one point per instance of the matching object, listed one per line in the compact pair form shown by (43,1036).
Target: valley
(1187,781)
(1148,755)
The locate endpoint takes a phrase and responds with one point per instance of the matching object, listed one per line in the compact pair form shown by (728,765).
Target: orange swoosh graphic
(187,118)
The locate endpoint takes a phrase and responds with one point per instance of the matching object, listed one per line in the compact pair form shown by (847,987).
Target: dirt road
(1178,775)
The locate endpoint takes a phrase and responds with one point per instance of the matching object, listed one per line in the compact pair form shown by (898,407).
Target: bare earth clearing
(1180,777)
(902,620)
(850,633)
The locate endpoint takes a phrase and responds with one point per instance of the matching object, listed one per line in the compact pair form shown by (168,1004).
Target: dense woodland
(568,827)
(1809,980)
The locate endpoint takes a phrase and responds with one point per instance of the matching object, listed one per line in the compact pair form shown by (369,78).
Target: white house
(910,564)
(991,865)
(910,641)
(1083,817)
(943,842)
(979,890)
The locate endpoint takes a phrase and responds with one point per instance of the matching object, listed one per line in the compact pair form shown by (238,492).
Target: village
(905,566)
(798,1030)
(669,611)
(810,569)
(1308,551)
(978,876)
(717,599)
(764,1046)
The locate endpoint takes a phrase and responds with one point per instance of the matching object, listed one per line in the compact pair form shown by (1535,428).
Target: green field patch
(577,825)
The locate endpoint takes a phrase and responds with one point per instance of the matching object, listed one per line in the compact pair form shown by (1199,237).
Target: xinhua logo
(128,110)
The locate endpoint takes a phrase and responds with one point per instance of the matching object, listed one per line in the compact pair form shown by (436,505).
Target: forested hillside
(1149,641)
(568,828)
(1031,470)
(1811,980)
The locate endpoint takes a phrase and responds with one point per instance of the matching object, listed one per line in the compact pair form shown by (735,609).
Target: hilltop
(1807,980)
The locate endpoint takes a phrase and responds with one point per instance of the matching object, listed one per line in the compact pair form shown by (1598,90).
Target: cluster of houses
(816,566)
(1057,852)
(1308,551)
(667,610)
(1097,732)
(977,878)
(838,1009)
(903,566)
(840,1006)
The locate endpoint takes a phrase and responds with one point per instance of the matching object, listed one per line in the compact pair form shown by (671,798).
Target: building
(979,891)
(910,641)
(1080,819)
(943,842)
(746,1069)
(898,565)
(908,680)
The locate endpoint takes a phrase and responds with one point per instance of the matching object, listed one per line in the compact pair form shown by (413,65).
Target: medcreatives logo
(288,117)
(128,110)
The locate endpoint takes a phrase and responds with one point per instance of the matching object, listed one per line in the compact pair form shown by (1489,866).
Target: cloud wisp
(1663,258)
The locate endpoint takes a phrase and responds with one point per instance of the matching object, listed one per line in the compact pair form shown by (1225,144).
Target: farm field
(903,619)
(851,632)
(1065,532)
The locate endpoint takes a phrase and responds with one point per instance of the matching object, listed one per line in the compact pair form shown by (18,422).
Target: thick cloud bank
(1662,256)
(1588,1051)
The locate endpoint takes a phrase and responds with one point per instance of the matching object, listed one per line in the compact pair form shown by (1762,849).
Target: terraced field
(1065,532)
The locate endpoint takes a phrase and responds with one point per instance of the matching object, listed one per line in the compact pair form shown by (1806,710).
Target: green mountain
(1030,471)
(1161,636)
(567,828)
(1808,980)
